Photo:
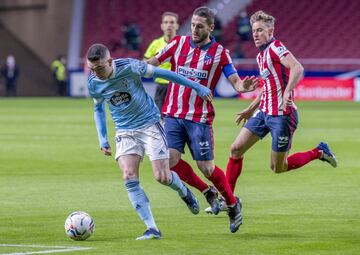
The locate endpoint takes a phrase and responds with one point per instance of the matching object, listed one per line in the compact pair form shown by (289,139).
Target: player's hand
(205,93)
(287,101)
(209,97)
(250,83)
(106,151)
(244,116)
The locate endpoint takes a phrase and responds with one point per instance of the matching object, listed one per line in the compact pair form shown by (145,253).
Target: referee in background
(169,25)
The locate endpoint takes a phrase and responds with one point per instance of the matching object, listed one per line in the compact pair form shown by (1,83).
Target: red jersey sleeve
(168,51)
(225,58)
(279,49)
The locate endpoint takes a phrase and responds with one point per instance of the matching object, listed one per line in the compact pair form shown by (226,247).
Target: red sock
(233,171)
(187,174)
(219,180)
(302,158)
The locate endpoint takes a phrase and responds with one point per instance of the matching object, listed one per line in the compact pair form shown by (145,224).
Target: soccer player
(273,111)
(138,131)
(169,25)
(188,118)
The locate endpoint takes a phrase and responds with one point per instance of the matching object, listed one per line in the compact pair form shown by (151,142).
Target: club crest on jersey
(208,59)
(192,73)
(124,82)
(120,98)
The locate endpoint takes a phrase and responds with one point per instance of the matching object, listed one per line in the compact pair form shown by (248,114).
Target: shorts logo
(204,144)
(120,98)
(204,147)
(283,141)
(192,73)
(204,152)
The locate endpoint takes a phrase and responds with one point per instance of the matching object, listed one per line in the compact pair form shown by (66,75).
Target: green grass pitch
(50,165)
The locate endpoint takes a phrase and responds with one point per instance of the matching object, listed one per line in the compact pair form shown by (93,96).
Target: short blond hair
(262,16)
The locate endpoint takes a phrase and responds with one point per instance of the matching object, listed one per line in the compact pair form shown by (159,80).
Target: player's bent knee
(236,151)
(206,167)
(207,171)
(129,175)
(162,178)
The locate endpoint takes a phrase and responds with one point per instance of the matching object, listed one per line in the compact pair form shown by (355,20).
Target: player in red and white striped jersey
(188,118)
(277,114)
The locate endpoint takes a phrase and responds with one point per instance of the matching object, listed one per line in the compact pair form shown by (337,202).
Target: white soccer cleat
(150,234)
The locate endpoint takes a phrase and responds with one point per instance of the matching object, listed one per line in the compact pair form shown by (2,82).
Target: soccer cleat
(211,196)
(327,156)
(222,206)
(191,202)
(150,233)
(235,216)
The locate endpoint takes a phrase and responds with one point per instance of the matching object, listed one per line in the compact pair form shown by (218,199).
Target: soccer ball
(79,226)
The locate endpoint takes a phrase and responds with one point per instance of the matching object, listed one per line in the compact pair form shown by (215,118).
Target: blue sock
(140,202)
(176,184)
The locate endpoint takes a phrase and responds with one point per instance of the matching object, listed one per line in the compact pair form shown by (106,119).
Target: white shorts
(150,140)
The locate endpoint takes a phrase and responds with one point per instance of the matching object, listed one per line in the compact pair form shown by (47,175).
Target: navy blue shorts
(281,127)
(198,137)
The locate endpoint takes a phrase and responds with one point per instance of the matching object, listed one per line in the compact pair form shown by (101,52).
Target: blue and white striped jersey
(129,104)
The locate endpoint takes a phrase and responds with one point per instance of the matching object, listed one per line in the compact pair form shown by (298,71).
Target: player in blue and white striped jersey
(137,123)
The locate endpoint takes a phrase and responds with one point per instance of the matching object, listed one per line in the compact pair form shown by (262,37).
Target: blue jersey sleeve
(177,78)
(148,71)
(228,70)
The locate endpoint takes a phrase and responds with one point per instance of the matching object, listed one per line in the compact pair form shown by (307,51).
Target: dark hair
(97,51)
(205,12)
(170,14)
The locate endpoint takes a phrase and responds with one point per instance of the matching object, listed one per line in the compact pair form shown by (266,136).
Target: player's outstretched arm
(203,91)
(245,114)
(150,71)
(246,85)
(100,121)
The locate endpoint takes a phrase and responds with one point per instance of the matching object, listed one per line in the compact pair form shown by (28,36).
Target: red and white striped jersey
(275,77)
(203,65)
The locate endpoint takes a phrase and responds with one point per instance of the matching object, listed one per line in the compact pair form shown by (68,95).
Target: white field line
(52,249)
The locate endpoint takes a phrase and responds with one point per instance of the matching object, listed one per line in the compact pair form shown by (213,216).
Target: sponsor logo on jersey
(192,73)
(264,73)
(120,98)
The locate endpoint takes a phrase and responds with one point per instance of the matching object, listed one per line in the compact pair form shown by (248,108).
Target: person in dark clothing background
(10,72)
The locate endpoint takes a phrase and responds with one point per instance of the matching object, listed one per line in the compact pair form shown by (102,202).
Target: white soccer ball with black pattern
(79,226)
